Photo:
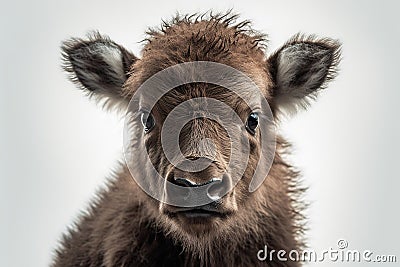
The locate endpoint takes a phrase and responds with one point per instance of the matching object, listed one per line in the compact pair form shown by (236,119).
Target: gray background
(56,148)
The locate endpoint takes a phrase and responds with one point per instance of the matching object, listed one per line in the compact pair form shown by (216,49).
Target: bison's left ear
(99,67)
(300,68)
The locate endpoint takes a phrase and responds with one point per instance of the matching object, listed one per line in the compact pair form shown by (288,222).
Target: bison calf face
(202,142)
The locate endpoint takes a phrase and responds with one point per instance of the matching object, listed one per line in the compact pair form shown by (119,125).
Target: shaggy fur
(124,226)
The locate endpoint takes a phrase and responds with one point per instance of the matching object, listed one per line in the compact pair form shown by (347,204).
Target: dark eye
(147,121)
(252,123)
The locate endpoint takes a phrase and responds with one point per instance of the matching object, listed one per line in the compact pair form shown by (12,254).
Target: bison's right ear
(98,66)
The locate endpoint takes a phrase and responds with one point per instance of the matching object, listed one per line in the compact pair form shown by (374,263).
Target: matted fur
(125,227)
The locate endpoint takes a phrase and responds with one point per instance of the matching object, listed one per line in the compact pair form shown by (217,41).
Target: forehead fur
(207,37)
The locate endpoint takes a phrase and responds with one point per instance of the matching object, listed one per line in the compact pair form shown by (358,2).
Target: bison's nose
(188,188)
(215,187)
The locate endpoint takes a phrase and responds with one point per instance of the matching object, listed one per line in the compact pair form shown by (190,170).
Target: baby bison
(203,182)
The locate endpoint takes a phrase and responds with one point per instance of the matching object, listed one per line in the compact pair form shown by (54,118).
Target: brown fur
(126,227)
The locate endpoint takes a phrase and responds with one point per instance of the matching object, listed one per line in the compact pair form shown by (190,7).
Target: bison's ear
(98,66)
(300,68)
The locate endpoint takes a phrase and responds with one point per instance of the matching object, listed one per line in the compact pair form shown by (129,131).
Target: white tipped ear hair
(99,67)
(300,68)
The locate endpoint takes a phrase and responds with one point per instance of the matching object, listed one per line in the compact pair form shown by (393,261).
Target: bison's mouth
(197,213)
(201,213)
(196,221)
(204,213)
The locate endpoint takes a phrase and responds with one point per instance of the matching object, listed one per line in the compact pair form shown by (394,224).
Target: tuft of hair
(225,20)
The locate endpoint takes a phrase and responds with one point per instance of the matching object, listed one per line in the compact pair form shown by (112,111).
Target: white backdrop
(56,148)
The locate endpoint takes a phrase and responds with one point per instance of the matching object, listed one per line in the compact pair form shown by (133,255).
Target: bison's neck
(155,247)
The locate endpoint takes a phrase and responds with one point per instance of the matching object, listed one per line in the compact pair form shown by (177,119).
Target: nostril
(183,182)
(217,189)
